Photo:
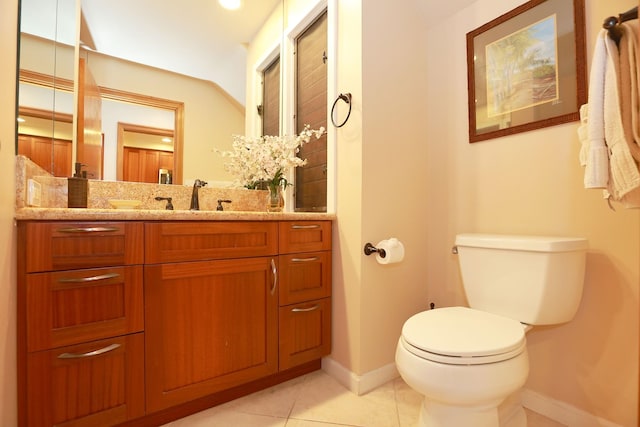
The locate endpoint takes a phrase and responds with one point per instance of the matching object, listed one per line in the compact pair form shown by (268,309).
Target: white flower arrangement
(266,158)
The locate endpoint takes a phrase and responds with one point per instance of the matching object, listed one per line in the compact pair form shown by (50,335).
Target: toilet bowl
(467,361)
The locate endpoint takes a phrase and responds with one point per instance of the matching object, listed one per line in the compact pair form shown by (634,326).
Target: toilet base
(509,414)
(433,414)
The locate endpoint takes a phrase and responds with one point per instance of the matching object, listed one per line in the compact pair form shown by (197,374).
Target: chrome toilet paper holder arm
(370,249)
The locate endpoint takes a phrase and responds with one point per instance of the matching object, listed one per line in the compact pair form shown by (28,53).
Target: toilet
(467,361)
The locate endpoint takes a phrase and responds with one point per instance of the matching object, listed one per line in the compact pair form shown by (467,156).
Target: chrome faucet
(195,204)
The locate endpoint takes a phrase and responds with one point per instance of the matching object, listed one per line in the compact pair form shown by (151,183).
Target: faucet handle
(220,202)
(169,206)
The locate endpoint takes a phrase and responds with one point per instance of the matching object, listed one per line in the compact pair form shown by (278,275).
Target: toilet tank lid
(521,242)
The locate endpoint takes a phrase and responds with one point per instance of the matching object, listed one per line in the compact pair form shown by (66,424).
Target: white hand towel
(596,174)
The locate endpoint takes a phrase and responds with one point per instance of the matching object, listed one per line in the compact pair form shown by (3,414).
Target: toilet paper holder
(370,249)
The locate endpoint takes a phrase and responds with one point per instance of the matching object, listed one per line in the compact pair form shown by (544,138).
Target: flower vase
(275,200)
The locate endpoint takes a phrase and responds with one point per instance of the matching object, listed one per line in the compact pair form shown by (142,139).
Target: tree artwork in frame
(526,69)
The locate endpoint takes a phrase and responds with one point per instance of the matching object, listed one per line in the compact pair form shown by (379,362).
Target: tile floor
(317,400)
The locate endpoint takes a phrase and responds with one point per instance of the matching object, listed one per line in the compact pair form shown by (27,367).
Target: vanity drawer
(200,241)
(55,246)
(304,236)
(100,383)
(304,277)
(70,307)
(305,332)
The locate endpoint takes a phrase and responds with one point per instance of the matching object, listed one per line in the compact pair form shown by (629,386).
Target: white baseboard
(562,412)
(359,384)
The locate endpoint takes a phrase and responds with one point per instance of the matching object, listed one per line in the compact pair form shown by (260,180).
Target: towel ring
(346,97)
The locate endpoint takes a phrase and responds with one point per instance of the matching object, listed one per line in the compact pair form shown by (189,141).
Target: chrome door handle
(314,258)
(89,279)
(89,353)
(274,271)
(87,229)
(304,310)
(302,227)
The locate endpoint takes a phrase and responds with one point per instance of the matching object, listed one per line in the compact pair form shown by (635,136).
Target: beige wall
(382,180)
(8,387)
(394,176)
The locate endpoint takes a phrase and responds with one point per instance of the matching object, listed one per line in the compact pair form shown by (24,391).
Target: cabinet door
(305,332)
(70,307)
(304,277)
(94,384)
(209,326)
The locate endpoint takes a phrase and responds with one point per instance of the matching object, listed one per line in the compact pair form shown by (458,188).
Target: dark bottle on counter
(77,188)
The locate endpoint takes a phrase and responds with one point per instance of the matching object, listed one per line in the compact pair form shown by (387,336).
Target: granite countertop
(162,215)
(26,214)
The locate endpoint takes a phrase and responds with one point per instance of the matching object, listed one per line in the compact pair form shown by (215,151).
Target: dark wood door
(52,155)
(311,109)
(142,165)
(271,99)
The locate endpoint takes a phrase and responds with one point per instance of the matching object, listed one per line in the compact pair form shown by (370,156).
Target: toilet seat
(463,336)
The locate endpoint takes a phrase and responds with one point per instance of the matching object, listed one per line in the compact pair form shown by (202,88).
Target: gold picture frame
(527,69)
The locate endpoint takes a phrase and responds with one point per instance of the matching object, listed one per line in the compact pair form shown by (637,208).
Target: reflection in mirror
(45,132)
(204,92)
(48,146)
(145,154)
(45,135)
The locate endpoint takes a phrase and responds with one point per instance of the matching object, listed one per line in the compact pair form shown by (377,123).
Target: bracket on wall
(346,97)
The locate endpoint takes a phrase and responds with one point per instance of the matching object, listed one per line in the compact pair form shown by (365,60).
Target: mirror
(160,68)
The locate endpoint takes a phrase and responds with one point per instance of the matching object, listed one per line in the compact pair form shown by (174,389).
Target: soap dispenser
(77,188)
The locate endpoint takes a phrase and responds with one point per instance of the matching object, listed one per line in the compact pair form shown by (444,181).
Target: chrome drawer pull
(274,271)
(88,229)
(304,227)
(314,258)
(304,310)
(89,279)
(90,353)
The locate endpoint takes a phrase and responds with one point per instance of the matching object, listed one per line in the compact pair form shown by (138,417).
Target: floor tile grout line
(395,399)
(295,397)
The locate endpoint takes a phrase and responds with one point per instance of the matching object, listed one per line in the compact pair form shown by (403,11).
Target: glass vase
(275,199)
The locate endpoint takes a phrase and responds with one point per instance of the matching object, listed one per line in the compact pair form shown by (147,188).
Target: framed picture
(526,69)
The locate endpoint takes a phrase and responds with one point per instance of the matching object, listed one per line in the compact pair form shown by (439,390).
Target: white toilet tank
(533,279)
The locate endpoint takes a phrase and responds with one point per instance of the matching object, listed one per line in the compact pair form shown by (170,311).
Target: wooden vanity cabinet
(80,323)
(139,323)
(211,320)
(305,292)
